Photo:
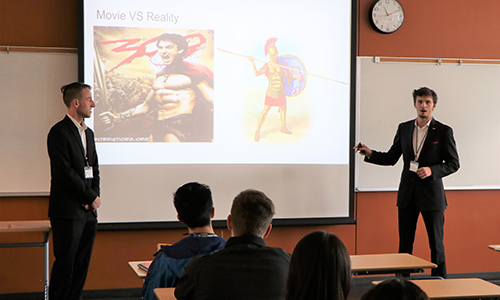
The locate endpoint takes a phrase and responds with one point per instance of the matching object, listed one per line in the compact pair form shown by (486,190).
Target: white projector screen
(167,114)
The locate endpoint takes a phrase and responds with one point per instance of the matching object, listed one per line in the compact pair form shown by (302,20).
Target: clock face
(387,16)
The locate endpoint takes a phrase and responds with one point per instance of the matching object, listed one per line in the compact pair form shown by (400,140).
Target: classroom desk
(368,264)
(457,288)
(31,226)
(494,247)
(138,271)
(165,293)
(396,263)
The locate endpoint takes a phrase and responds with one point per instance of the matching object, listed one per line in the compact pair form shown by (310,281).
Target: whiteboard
(31,103)
(468,101)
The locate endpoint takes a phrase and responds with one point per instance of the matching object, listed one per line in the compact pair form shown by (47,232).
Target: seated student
(193,202)
(320,269)
(395,289)
(246,268)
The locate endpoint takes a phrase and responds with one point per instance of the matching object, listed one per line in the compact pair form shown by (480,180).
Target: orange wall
(471,224)
(41,23)
(112,250)
(437,29)
(441,29)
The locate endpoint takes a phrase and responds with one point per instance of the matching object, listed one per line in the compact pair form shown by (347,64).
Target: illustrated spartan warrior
(275,94)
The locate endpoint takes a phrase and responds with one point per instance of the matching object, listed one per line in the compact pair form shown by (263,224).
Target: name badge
(89,173)
(413,166)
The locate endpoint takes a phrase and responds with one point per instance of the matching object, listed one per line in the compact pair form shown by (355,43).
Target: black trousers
(434,224)
(73,240)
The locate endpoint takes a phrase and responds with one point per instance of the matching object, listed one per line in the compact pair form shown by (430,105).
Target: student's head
(395,289)
(251,213)
(320,268)
(171,47)
(424,92)
(73,91)
(193,202)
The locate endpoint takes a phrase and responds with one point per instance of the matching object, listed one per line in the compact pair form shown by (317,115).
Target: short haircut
(320,268)
(395,289)
(177,39)
(424,92)
(251,213)
(73,91)
(193,202)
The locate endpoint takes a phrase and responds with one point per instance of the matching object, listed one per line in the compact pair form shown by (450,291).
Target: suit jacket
(438,152)
(69,189)
(244,269)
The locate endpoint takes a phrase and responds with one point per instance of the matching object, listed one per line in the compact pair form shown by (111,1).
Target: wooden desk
(457,288)
(396,263)
(165,293)
(494,247)
(138,271)
(31,226)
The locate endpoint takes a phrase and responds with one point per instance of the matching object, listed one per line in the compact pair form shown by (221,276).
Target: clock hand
(393,12)
(386,13)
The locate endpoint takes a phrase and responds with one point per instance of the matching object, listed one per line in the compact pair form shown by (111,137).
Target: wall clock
(387,16)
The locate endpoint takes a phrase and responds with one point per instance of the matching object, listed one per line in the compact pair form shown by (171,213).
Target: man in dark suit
(246,268)
(429,154)
(74,193)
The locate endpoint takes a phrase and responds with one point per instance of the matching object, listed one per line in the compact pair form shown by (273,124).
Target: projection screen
(233,94)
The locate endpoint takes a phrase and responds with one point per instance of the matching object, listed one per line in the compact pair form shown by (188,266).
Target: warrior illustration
(275,94)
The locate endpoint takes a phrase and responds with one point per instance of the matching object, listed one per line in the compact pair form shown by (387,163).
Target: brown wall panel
(113,249)
(40,23)
(471,224)
(440,29)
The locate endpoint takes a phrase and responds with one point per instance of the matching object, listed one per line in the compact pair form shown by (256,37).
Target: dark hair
(320,269)
(73,91)
(425,92)
(193,202)
(395,289)
(177,39)
(251,213)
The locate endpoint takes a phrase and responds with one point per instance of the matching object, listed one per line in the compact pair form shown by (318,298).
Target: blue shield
(299,75)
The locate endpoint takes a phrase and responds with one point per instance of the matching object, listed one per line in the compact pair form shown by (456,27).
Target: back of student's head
(395,289)
(320,269)
(251,213)
(193,202)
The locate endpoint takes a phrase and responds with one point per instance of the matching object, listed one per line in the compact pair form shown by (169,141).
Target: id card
(413,166)
(89,173)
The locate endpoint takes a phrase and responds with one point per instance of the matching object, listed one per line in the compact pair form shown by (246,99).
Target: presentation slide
(261,85)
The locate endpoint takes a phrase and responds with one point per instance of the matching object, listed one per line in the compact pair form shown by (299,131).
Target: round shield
(298,79)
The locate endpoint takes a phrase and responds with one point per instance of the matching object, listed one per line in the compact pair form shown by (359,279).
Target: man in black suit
(429,154)
(246,268)
(74,193)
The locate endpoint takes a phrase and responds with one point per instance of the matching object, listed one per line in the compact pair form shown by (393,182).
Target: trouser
(73,240)
(434,224)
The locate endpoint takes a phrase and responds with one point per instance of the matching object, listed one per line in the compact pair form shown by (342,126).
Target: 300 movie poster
(153,85)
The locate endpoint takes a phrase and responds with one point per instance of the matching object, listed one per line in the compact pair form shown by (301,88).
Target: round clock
(387,16)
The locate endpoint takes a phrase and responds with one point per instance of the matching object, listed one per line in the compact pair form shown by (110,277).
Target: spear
(278,65)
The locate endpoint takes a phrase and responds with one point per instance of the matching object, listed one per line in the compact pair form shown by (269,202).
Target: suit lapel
(408,142)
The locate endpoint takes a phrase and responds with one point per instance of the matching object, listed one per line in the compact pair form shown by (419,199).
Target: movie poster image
(153,85)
